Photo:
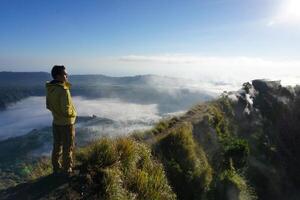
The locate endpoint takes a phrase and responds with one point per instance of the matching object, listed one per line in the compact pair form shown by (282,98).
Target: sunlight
(288,13)
(291,10)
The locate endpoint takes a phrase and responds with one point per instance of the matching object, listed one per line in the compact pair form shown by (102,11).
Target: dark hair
(57,70)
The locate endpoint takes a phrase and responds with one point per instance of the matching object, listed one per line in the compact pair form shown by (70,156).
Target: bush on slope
(123,169)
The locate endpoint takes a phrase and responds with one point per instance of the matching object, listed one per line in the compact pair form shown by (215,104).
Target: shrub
(237,151)
(185,162)
(37,169)
(234,151)
(124,169)
(232,186)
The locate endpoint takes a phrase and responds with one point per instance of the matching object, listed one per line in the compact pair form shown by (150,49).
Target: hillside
(244,145)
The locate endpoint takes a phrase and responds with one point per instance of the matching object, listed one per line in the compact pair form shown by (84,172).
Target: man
(59,102)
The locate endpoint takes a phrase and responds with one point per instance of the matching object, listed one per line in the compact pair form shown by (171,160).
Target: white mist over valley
(31,113)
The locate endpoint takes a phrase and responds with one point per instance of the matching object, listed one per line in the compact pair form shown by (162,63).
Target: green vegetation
(234,150)
(231,185)
(237,151)
(36,170)
(16,166)
(24,172)
(123,169)
(185,162)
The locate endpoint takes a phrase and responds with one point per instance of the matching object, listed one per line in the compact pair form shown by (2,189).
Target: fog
(24,116)
(30,113)
(115,109)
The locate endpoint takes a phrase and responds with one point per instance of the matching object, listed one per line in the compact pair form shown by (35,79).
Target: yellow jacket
(59,102)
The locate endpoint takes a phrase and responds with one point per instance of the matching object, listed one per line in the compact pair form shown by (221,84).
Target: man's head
(59,73)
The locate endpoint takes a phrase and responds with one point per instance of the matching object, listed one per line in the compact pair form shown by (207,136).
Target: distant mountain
(23,78)
(39,78)
(171,94)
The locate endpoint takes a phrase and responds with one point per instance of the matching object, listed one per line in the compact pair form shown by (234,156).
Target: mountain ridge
(243,145)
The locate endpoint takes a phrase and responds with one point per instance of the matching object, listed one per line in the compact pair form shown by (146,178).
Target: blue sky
(120,37)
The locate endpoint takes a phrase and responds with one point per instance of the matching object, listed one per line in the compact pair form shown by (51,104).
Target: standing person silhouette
(59,102)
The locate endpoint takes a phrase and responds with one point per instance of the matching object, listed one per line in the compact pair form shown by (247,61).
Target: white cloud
(231,69)
(31,113)
(226,69)
(239,61)
(116,109)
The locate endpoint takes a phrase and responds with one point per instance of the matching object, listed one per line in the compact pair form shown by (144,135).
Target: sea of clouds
(31,113)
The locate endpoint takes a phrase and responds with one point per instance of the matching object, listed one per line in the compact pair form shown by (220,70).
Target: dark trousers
(63,147)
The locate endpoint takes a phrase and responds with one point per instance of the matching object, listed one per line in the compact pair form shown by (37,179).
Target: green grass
(23,172)
(155,133)
(124,169)
(231,185)
(185,163)
(234,150)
